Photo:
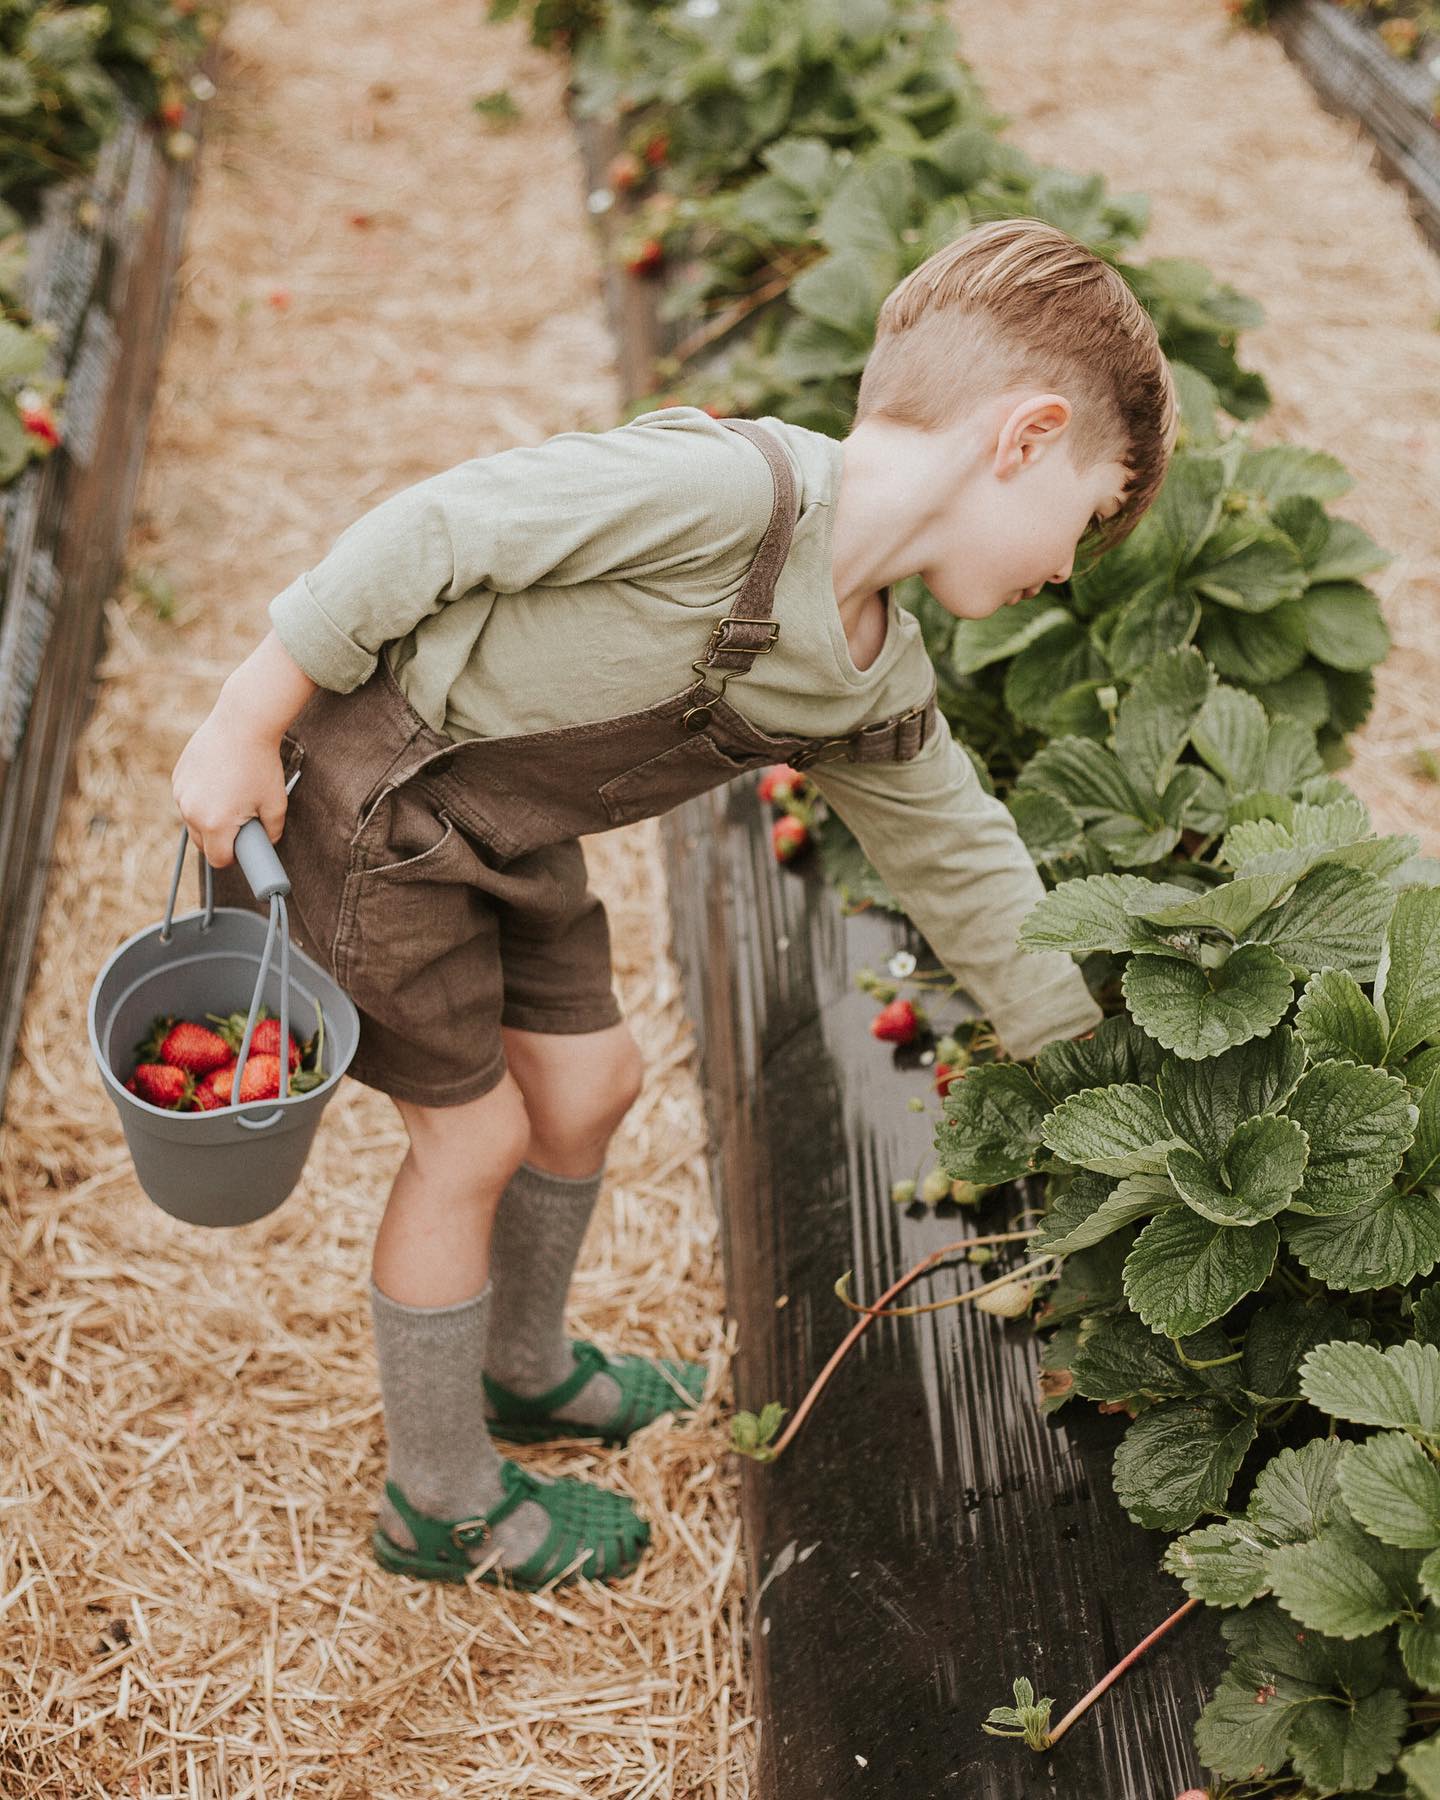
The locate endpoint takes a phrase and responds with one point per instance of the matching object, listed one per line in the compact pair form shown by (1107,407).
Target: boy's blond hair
(1017,301)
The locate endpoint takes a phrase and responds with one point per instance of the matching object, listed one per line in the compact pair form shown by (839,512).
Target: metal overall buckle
(815,752)
(696,717)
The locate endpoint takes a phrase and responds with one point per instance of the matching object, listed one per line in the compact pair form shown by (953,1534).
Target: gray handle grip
(258,862)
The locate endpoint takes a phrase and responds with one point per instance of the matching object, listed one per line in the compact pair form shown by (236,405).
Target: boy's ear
(1032,423)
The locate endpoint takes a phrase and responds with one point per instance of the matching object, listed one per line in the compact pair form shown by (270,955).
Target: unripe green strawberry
(935,1187)
(902,1192)
(980,1253)
(1009,1301)
(965,1193)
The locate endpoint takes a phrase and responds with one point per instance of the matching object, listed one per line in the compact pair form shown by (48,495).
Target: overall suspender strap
(749,631)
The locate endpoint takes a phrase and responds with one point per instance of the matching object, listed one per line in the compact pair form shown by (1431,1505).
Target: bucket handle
(268,881)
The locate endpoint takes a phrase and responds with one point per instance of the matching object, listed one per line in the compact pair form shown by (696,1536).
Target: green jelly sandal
(581,1515)
(647,1389)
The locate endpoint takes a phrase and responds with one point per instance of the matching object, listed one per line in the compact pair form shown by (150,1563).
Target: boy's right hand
(228,774)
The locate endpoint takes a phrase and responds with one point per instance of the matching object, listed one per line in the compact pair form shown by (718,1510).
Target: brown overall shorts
(442,882)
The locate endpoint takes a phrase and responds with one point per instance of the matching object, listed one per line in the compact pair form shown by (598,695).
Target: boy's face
(1017,506)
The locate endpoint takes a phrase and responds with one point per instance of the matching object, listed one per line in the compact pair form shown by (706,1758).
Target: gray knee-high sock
(441,1455)
(539,1226)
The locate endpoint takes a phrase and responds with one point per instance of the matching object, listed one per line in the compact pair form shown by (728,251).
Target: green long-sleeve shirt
(577,579)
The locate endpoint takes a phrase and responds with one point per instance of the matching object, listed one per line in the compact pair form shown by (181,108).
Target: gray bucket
(234,1165)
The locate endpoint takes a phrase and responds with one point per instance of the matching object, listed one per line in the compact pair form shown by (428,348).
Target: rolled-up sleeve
(952,857)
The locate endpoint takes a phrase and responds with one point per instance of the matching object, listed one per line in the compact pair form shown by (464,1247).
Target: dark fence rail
(1356,76)
(107,285)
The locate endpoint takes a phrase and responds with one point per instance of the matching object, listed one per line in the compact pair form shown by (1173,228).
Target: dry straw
(192,1436)
(193,1442)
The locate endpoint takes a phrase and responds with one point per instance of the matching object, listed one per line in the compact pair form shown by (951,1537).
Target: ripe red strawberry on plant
(897,1023)
(657,149)
(788,837)
(624,171)
(647,259)
(779,782)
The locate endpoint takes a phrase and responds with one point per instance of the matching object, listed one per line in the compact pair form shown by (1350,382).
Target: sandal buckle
(465,1532)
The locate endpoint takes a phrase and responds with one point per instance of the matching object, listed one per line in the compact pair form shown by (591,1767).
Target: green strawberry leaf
(1153,723)
(1421,1765)
(1091,1209)
(1184,1272)
(1049,827)
(1205,1101)
(1231,734)
(1386,1241)
(1254,649)
(1397,1388)
(1090,914)
(1116,1130)
(1199,1012)
(1420,1648)
(1422,1159)
(1335,919)
(1231,907)
(1407,983)
(979,642)
(1393,1488)
(1121,1360)
(1347,1744)
(1118,1051)
(1336,1021)
(1261,1168)
(1359,1122)
(990,1128)
(1178,1460)
(1345,1583)
(1343,625)
(1248,566)
(1297,1493)
(1223,1565)
(1278,1337)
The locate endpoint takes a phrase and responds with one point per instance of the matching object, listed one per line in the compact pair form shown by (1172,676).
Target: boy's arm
(576,507)
(951,855)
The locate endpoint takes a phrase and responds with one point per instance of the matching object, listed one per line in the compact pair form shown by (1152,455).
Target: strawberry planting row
(932,1484)
(1356,73)
(1230,1207)
(98,279)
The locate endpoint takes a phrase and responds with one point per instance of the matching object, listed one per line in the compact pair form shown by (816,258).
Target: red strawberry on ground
(896,1023)
(779,782)
(163,1085)
(788,837)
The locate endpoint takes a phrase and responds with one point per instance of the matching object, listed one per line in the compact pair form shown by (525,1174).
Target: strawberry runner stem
(1087,1700)
(870,1312)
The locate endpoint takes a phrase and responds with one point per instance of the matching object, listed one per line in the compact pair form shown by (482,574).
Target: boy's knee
(490,1132)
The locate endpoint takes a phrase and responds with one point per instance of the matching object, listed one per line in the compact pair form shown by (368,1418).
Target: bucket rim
(123,1096)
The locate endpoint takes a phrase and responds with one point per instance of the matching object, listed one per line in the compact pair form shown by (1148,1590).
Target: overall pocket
(674,776)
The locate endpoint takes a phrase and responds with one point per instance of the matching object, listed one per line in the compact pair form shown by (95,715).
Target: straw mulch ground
(1251,176)
(193,1441)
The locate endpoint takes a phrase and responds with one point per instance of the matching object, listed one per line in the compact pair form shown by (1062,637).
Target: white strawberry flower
(901,964)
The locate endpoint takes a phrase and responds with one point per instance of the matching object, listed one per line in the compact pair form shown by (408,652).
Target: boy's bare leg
(433,1245)
(577,1087)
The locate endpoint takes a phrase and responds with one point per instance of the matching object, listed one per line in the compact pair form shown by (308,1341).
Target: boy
(494,662)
